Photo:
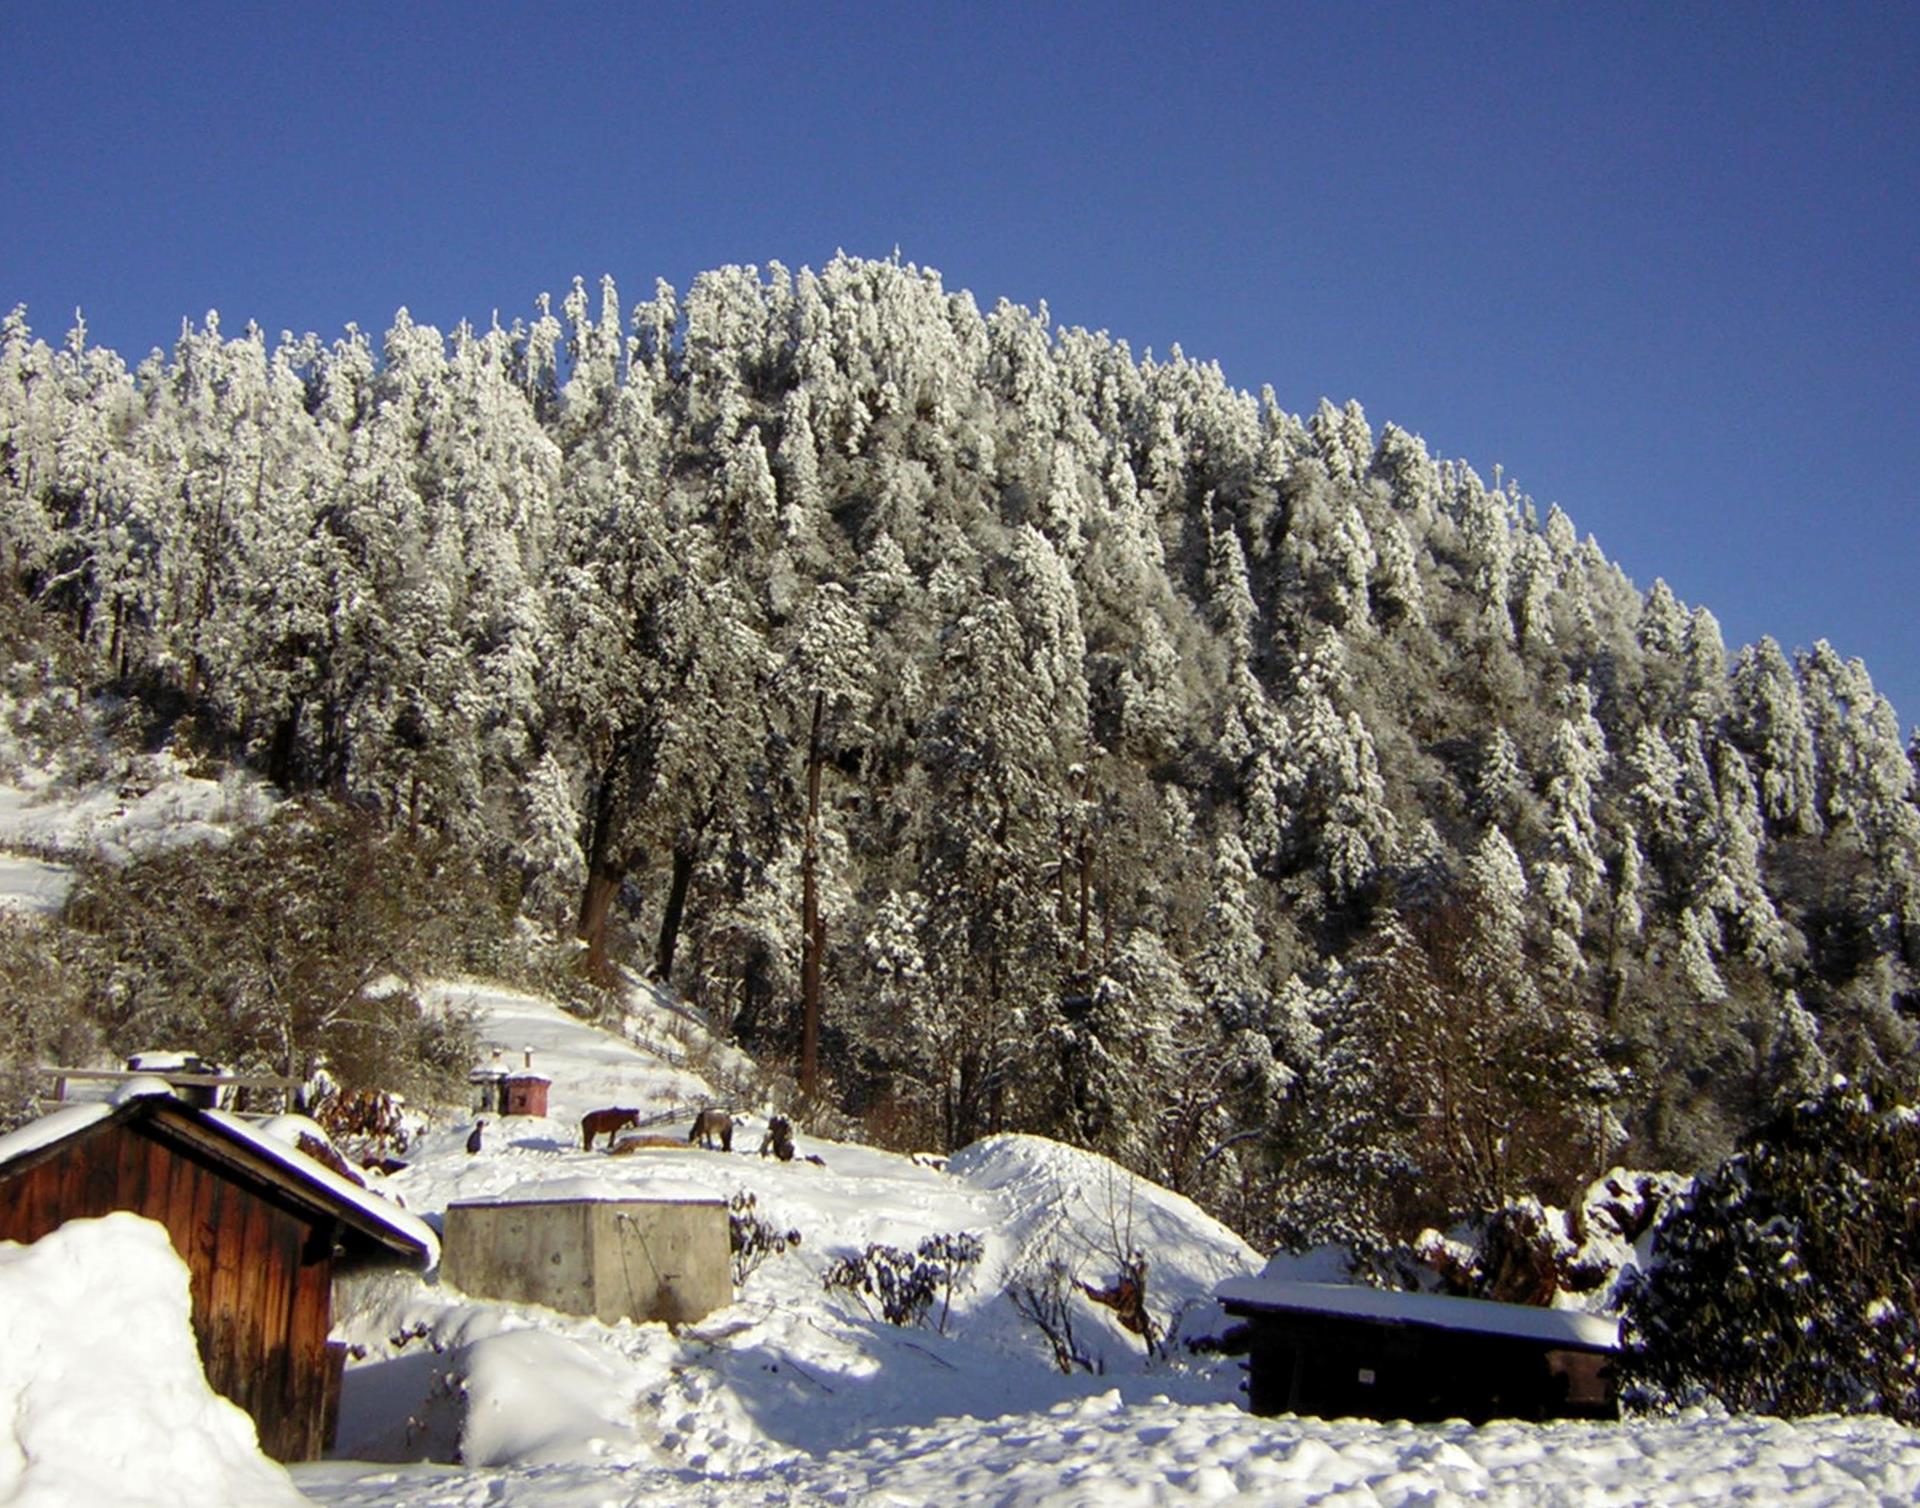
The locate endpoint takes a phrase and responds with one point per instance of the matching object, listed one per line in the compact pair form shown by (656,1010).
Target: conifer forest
(995,729)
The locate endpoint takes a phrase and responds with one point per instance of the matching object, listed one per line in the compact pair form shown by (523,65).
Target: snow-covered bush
(44,1018)
(1529,1253)
(906,1284)
(1788,1282)
(751,1238)
(1043,1295)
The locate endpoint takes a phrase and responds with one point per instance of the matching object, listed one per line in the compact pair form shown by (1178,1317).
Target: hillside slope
(791,1395)
(1005,731)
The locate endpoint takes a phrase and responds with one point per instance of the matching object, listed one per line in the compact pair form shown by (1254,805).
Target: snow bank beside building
(100,1385)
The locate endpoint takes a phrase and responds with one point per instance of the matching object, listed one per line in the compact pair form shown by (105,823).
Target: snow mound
(100,1385)
(534,1397)
(1086,1210)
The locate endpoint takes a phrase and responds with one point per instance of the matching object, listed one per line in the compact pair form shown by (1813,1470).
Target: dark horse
(778,1141)
(612,1120)
(711,1124)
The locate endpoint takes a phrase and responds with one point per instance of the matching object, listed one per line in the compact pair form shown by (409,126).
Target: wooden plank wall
(261,1277)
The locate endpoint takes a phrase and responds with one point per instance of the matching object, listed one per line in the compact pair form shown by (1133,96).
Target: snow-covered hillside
(789,1367)
(793,1394)
(157,804)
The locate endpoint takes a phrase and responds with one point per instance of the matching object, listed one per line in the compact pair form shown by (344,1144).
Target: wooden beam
(194,1080)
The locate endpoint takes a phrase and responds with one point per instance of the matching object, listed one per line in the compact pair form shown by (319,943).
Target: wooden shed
(261,1228)
(1338,1350)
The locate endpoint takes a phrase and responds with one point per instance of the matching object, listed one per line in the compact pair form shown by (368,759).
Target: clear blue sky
(1660,262)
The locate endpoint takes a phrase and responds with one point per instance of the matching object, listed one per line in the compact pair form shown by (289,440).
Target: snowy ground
(788,1369)
(792,1394)
(1105,1453)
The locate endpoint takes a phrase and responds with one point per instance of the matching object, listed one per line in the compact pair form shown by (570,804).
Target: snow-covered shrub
(1528,1253)
(44,1019)
(1043,1295)
(906,1284)
(1788,1282)
(752,1239)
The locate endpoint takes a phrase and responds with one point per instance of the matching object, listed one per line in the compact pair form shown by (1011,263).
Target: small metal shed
(1340,1350)
(526,1093)
(615,1259)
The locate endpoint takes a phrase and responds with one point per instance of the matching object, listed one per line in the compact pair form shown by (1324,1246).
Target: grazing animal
(779,1139)
(711,1125)
(613,1119)
(473,1138)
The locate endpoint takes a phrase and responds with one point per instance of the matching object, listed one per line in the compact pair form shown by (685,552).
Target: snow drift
(100,1384)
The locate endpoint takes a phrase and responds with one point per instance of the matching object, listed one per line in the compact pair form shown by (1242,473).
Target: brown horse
(711,1124)
(611,1120)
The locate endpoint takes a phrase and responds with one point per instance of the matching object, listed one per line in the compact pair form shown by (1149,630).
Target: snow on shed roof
(380,1216)
(1436,1311)
(377,1206)
(56,1126)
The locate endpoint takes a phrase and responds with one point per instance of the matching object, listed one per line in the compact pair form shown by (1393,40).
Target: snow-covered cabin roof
(1564,1328)
(231,1140)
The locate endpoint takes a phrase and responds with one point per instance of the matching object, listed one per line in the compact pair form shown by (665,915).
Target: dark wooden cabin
(261,1228)
(1340,1351)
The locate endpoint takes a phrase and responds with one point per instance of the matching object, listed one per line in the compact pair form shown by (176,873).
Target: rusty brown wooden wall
(261,1275)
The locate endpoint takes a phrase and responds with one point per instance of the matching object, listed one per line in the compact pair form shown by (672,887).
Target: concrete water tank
(638,1259)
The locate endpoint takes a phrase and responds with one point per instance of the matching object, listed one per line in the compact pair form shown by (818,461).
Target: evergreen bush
(1788,1282)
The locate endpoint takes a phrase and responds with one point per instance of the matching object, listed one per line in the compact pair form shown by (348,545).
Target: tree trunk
(812,933)
(281,768)
(683,857)
(596,902)
(605,874)
(1083,928)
